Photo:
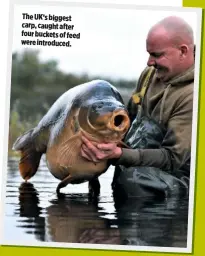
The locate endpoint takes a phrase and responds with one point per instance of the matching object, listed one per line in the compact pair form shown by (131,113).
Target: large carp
(95,109)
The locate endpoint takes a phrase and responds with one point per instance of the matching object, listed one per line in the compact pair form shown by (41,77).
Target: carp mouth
(111,125)
(119,121)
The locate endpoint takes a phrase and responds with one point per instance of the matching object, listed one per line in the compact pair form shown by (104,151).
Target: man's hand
(99,152)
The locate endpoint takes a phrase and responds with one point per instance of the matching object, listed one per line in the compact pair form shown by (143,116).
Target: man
(167,103)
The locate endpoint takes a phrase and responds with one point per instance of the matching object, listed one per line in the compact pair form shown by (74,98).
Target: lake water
(32,212)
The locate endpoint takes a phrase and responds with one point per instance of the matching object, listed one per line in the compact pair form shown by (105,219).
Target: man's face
(163,55)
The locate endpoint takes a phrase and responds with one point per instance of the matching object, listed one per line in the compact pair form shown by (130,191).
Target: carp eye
(118,120)
(97,105)
(100,104)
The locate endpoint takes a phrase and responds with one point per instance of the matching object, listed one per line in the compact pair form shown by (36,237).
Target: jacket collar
(184,77)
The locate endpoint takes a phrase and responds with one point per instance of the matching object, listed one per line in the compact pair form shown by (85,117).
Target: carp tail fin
(29,156)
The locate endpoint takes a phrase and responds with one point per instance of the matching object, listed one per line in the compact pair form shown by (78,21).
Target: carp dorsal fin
(22,140)
(30,158)
(69,150)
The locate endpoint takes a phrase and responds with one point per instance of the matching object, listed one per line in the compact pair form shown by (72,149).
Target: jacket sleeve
(175,150)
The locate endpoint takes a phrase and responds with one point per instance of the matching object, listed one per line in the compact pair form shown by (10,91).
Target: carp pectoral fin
(64,183)
(123,145)
(29,163)
(69,150)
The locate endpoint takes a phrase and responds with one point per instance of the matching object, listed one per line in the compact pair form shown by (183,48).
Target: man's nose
(151,61)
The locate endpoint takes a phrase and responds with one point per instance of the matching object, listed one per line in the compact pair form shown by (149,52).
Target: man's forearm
(159,158)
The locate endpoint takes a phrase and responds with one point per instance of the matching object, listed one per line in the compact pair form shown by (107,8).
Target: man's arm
(176,146)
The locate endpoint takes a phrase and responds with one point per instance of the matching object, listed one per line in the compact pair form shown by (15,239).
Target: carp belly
(75,165)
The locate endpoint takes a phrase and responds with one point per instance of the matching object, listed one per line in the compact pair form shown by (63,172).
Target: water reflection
(72,219)
(148,222)
(29,208)
(28,201)
(34,209)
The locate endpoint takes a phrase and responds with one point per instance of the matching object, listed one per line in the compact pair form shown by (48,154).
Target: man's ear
(184,50)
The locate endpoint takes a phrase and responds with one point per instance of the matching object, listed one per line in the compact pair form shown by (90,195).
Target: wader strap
(138,97)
